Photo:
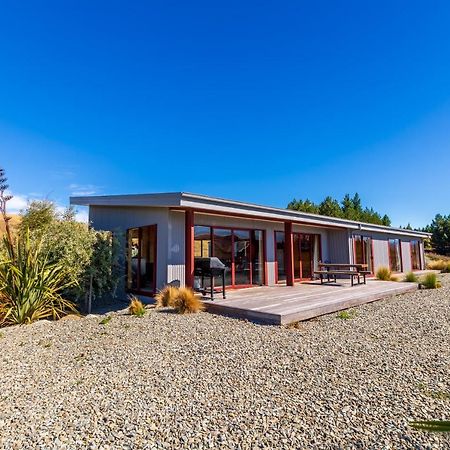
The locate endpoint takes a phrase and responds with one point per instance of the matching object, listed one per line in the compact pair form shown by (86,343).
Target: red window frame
(232,229)
(318,235)
(364,250)
(139,291)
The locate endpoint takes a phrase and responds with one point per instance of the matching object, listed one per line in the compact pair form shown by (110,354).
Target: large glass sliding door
(241,257)
(242,251)
(395,255)
(306,255)
(362,249)
(141,259)
(222,248)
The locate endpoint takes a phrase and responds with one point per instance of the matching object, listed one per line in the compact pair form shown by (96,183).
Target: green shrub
(90,256)
(430,281)
(411,277)
(31,284)
(383,273)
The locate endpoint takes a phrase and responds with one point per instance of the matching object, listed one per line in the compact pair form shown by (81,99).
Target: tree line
(350,208)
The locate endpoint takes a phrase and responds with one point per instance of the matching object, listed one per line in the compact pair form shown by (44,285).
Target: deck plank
(279,305)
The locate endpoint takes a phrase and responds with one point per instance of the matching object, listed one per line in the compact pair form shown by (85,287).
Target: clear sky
(256,101)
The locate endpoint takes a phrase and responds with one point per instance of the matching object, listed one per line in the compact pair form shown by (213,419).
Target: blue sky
(255,101)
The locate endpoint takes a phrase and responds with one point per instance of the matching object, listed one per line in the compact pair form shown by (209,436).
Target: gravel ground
(204,381)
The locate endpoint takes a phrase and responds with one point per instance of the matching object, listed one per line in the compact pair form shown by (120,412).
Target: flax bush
(31,284)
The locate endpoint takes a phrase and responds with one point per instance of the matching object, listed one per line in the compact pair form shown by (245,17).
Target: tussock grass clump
(430,281)
(136,307)
(439,264)
(187,302)
(166,297)
(393,278)
(411,277)
(383,274)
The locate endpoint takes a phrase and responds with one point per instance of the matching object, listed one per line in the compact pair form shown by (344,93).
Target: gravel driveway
(204,381)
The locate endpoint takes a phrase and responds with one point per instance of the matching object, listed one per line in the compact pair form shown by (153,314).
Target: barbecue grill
(210,268)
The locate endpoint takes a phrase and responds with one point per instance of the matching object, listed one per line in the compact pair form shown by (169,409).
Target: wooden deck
(278,305)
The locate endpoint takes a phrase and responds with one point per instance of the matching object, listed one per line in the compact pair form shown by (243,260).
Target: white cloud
(17,203)
(83,189)
(82,216)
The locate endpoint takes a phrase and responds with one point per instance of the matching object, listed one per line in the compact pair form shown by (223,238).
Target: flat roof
(216,205)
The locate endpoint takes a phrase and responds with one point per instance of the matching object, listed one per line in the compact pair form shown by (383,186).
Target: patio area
(280,305)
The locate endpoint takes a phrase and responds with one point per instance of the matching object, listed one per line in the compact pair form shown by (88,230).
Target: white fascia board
(219,205)
(169,199)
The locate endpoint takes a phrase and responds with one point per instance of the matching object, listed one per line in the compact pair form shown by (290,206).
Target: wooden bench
(332,273)
(331,270)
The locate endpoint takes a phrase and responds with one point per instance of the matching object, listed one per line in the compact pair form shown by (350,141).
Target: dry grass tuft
(136,307)
(166,297)
(393,278)
(187,302)
(384,274)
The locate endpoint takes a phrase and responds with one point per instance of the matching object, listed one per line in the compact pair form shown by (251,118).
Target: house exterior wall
(381,249)
(338,247)
(120,219)
(336,244)
(269,228)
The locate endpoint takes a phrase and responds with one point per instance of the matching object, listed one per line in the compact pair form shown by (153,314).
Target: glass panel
(394,255)
(141,251)
(316,251)
(306,255)
(241,257)
(359,252)
(279,242)
(296,243)
(415,255)
(147,264)
(222,249)
(202,241)
(368,253)
(133,258)
(257,257)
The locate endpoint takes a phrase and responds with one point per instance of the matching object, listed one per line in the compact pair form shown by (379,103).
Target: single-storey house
(163,233)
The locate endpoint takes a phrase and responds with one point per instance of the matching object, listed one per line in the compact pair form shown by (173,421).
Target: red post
(289,253)
(189,248)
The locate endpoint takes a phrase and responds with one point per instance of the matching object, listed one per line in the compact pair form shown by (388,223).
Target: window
(415,255)
(395,256)
(279,249)
(241,250)
(202,241)
(363,251)
(141,259)
(306,255)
